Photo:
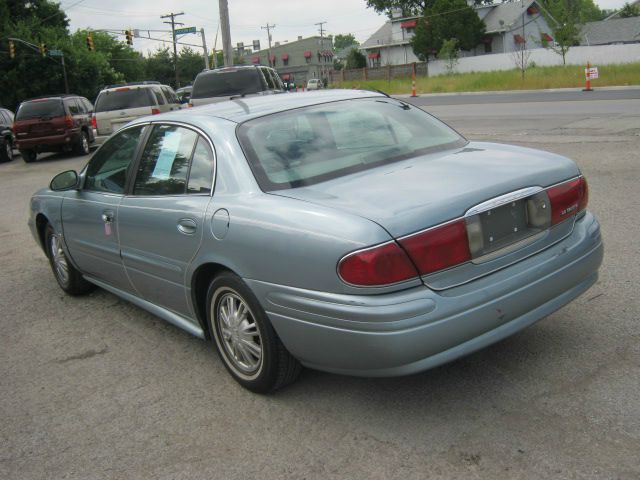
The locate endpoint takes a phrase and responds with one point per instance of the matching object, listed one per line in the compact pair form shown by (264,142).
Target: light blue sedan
(344,231)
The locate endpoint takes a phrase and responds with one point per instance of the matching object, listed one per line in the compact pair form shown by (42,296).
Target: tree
(409,7)
(159,66)
(342,41)
(629,10)
(355,59)
(190,63)
(565,17)
(445,20)
(449,53)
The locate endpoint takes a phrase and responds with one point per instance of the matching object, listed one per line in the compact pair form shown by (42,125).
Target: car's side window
(80,105)
(107,169)
(268,79)
(72,106)
(170,95)
(159,97)
(201,172)
(164,165)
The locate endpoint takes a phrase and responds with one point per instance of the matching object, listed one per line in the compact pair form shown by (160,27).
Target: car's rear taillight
(567,199)
(68,122)
(458,241)
(155,111)
(94,122)
(381,265)
(439,247)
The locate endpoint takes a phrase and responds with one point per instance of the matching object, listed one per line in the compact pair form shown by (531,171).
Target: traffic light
(43,49)
(12,49)
(90,45)
(129,37)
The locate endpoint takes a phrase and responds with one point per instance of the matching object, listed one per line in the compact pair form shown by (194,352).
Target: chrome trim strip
(503,200)
(167,315)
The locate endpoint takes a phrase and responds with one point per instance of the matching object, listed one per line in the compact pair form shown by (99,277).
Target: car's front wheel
(28,155)
(82,147)
(246,341)
(6,154)
(67,276)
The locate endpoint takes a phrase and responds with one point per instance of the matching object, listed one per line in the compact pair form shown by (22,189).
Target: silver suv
(213,86)
(117,105)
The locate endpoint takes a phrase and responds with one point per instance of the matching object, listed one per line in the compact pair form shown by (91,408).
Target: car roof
(246,108)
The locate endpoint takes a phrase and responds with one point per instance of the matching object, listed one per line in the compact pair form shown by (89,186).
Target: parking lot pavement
(95,388)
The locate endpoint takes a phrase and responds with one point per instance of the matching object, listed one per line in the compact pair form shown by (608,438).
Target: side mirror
(64,181)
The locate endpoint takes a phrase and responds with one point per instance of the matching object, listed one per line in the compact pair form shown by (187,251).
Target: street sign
(182,31)
(55,53)
(591,72)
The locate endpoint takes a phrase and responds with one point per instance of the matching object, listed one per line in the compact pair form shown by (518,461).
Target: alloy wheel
(239,333)
(60,266)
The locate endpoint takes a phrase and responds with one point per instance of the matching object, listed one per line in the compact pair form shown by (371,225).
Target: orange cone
(413,80)
(587,82)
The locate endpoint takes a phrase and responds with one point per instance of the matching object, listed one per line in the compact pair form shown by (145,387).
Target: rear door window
(159,97)
(170,95)
(268,78)
(123,98)
(40,108)
(164,165)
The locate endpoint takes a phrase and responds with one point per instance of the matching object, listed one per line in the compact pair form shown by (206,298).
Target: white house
(509,27)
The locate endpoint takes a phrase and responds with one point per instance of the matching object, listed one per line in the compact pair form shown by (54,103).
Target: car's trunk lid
(416,194)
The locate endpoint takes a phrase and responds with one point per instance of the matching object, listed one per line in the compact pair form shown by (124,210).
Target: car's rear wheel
(28,155)
(6,154)
(82,147)
(67,276)
(247,343)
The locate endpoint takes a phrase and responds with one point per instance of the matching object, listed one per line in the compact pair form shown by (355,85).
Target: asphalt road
(95,388)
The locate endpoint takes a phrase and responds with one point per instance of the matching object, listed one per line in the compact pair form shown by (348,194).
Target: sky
(290,17)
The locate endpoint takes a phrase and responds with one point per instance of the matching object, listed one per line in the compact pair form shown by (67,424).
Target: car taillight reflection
(452,243)
(155,111)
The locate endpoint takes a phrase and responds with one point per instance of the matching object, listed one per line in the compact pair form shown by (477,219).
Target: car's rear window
(123,99)
(310,145)
(226,83)
(51,107)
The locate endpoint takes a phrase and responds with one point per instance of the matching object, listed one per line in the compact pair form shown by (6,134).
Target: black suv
(212,86)
(53,123)
(6,135)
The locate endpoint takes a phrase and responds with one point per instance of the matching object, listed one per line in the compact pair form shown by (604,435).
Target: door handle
(187,226)
(107,217)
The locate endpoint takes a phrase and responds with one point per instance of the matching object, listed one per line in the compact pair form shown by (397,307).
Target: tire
(69,279)
(246,342)
(28,155)
(82,147)
(6,152)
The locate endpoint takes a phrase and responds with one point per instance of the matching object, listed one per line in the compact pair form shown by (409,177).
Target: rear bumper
(417,329)
(48,143)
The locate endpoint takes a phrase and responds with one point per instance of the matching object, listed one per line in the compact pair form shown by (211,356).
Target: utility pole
(322,67)
(268,29)
(226,32)
(173,23)
(204,47)
(215,45)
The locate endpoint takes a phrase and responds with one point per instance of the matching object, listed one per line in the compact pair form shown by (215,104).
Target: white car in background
(314,84)
(117,105)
